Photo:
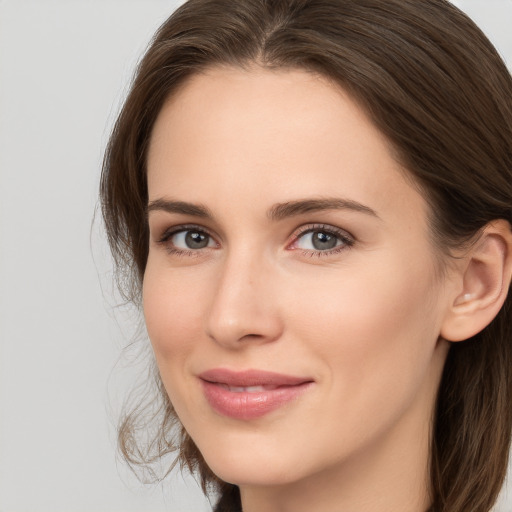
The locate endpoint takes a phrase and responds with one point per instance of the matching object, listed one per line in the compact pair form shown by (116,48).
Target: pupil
(323,241)
(196,240)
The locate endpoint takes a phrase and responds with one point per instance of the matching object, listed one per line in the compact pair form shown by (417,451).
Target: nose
(244,306)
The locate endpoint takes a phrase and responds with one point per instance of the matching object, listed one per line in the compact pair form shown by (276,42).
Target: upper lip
(251,377)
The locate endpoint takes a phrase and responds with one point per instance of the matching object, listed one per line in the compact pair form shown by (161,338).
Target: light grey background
(64,68)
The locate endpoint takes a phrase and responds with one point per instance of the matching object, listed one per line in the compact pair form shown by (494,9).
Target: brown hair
(437,89)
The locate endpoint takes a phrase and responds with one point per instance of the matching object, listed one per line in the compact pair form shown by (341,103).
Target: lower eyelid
(187,253)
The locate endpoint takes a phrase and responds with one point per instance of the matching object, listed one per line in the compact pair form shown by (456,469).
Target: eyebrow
(294,208)
(169,206)
(277,212)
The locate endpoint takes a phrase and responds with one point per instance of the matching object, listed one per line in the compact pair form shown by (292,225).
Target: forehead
(230,105)
(274,134)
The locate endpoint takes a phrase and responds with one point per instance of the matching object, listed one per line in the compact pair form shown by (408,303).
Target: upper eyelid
(169,232)
(308,228)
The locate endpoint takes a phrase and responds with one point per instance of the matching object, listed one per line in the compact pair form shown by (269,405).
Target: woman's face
(292,294)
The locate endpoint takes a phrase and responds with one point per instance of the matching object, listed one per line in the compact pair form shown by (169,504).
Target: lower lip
(248,406)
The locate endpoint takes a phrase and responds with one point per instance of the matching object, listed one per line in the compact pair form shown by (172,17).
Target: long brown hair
(438,90)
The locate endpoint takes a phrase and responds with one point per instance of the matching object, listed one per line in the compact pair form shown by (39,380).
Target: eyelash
(347,240)
(175,251)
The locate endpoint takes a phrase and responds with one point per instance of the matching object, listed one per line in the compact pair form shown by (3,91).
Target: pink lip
(278,390)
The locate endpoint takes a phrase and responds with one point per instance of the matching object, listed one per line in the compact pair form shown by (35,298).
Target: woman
(314,198)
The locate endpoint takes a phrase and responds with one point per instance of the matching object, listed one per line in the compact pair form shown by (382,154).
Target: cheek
(377,327)
(174,319)
(373,338)
(172,312)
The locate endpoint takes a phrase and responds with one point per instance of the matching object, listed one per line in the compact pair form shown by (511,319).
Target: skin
(363,321)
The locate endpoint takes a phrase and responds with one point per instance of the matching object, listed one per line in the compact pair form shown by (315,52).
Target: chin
(248,473)
(254,462)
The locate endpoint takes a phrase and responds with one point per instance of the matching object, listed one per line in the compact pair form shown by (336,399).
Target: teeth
(248,389)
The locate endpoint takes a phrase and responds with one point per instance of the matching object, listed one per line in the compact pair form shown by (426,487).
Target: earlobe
(485,276)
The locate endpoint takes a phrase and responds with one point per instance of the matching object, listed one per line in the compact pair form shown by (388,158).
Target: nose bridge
(242,305)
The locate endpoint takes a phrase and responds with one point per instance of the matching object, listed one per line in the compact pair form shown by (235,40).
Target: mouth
(246,389)
(250,394)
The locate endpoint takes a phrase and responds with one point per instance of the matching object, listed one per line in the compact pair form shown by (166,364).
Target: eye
(183,239)
(318,241)
(191,239)
(322,239)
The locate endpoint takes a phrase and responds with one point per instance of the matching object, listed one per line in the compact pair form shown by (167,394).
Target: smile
(248,389)
(250,394)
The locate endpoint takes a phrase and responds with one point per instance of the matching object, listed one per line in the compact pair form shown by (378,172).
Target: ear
(482,283)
